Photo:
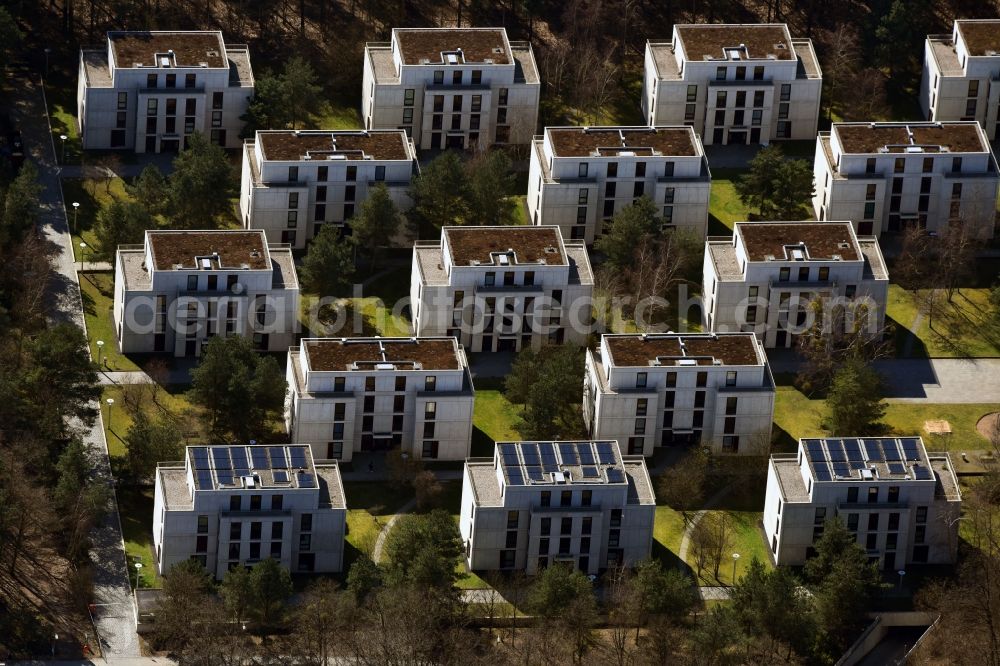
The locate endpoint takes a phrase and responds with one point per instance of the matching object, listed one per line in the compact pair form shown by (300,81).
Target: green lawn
(339,117)
(724,206)
(135,506)
(92,194)
(668,529)
(97,290)
(172,399)
(493,419)
(746,540)
(798,416)
(962,328)
(62,116)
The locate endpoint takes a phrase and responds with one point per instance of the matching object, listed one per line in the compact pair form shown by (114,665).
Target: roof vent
(425,61)
(550,250)
(687,362)
(768,257)
(716,361)
(497,49)
(843,245)
(244,266)
(212,54)
(503,260)
(780,46)
(488,61)
(384,366)
(203,64)
(254,253)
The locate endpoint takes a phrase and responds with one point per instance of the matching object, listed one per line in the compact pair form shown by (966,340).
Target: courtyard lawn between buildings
(493,418)
(135,507)
(962,328)
(97,291)
(92,194)
(725,207)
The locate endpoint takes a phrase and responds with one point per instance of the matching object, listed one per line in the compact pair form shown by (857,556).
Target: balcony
(509,288)
(802,285)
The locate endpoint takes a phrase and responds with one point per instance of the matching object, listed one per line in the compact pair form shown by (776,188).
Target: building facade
(901,501)
(711,390)
(180,288)
(536,504)
(579,177)
(150,91)
(452,88)
(294,182)
(766,278)
(961,77)
(502,288)
(890,177)
(375,394)
(734,83)
(232,506)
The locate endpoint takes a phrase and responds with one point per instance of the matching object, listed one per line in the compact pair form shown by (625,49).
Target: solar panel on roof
(203,479)
(514,476)
(841,469)
(220,456)
(921,473)
(277,455)
(853,449)
(911,448)
(897,468)
(529,452)
(567,452)
(605,453)
(307,481)
(891,449)
(856,464)
(297,455)
(615,475)
(535,473)
(280,476)
(586,452)
(548,454)
(873,450)
(814,450)
(508,453)
(199,456)
(823,471)
(258,454)
(836,450)
(590,472)
(225,477)
(241,466)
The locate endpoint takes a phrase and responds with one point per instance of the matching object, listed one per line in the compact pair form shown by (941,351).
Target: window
(689,111)
(277,502)
(692,93)
(784,274)
(610,190)
(430,410)
(235,503)
(255,502)
(545,500)
(641,406)
(872,522)
(852,494)
(893,495)
(786,92)
(671,379)
(235,531)
(852,522)
(869,210)
(305,542)
(731,378)
(151,106)
(741,73)
(190,80)
(529,278)
(824,273)
(586,497)
(255,530)
(973,88)
(820,516)
(783,111)
(731,403)
(613,538)
(502,97)
(201,544)
(616,518)
(640,426)
(190,107)
(438,77)
(566,498)
(122,100)
(720,73)
(456,78)
(234,551)
(640,380)
(638,189)
(956,164)
(870,165)
(306,523)
(566,525)
(893,522)
(919,534)
(612,169)
(921,514)
(702,379)
(720,98)
(871,542)
(151,80)
(970,108)
(408,97)
(872,494)
(758,73)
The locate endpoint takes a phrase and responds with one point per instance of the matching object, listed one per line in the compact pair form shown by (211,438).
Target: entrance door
(507,344)
(737,139)
(717,135)
(222,137)
(150,144)
(781,339)
(755,135)
(189,347)
(435,140)
(170,146)
(456,141)
(487,343)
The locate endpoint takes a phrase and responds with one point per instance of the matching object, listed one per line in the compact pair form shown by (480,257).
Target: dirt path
(380,540)
(686,539)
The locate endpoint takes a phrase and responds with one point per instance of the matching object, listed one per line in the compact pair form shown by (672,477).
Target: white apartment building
(711,390)
(579,177)
(150,91)
(232,506)
(502,288)
(180,288)
(889,177)
(535,504)
(765,277)
(961,79)
(374,394)
(901,501)
(452,87)
(294,182)
(734,83)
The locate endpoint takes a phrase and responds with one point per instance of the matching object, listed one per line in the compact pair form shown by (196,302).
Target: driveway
(113,609)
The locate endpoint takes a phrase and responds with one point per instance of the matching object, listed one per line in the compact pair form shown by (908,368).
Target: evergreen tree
(422,550)
(376,223)
(491,182)
(150,190)
(120,223)
(201,185)
(779,189)
(149,442)
(302,89)
(20,206)
(439,194)
(328,265)
(630,227)
(547,385)
(854,401)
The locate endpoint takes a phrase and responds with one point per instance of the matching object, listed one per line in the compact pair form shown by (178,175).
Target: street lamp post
(76,212)
(138,568)
(63,137)
(55,638)
(736,557)
(83,251)
(901,572)
(111,402)
(47,51)
(100,351)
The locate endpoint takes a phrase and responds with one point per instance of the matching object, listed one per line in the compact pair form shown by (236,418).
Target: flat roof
(655,350)
(765,241)
(275,466)
(955,137)
(867,459)
(361,354)
(528,245)
(190,48)
(323,145)
(759,41)
(982,37)
(180,250)
(612,141)
(560,463)
(478,45)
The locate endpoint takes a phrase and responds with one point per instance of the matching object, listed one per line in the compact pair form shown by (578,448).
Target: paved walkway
(713,593)
(114,615)
(935,380)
